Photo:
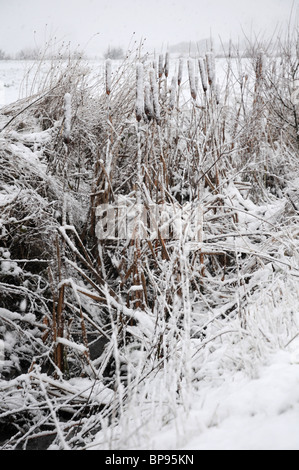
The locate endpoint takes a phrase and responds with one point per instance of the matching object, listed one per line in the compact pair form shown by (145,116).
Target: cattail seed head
(155,95)
(260,65)
(210,62)
(139,92)
(166,66)
(180,72)
(67,117)
(203,74)
(191,73)
(217,93)
(160,66)
(148,102)
(108,76)
(196,81)
(172,98)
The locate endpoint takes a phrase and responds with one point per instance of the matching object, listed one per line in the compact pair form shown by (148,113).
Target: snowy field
(246,372)
(22,78)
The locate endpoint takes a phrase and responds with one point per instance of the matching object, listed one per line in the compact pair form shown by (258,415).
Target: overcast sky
(96,23)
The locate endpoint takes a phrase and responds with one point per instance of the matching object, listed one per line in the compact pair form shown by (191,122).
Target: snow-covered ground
(12,74)
(260,413)
(240,413)
(21,78)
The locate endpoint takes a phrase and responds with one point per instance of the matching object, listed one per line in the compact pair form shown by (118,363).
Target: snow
(12,316)
(239,413)
(243,414)
(94,390)
(18,78)
(11,78)
(70,344)
(135,288)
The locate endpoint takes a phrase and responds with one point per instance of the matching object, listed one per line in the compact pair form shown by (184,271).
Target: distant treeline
(64,53)
(34,54)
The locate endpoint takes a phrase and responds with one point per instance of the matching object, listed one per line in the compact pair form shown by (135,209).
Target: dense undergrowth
(110,336)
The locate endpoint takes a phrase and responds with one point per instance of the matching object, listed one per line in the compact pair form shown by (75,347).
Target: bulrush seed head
(172,98)
(148,102)
(166,66)
(191,73)
(155,95)
(180,73)
(160,68)
(139,92)
(210,62)
(67,117)
(108,76)
(203,74)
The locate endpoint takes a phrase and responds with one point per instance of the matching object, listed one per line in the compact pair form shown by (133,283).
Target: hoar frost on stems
(139,92)
(67,117)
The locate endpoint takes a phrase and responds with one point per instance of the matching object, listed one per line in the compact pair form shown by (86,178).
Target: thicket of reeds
(136,317)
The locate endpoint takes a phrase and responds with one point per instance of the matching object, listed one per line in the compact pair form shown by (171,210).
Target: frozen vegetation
(149,257)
